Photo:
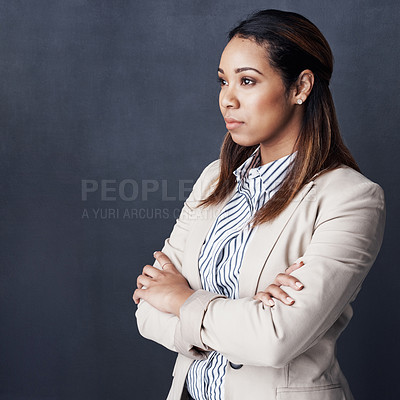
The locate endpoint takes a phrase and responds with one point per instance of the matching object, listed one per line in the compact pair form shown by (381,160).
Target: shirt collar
(272,174)
(252,162)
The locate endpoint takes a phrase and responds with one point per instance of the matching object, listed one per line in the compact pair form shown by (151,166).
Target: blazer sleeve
(346,240)
(152,323)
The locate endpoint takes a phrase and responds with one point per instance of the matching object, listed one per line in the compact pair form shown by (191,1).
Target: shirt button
(235,366)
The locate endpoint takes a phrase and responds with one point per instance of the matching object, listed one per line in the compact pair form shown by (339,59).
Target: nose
(228,97)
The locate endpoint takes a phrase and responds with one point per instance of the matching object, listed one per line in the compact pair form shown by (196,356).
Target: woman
(286,191)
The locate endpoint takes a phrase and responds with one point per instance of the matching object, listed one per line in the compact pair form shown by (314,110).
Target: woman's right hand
(274,290)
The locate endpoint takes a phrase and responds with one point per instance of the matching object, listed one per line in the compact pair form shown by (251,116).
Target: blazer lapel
(257,252)
(205,217)
(263,242)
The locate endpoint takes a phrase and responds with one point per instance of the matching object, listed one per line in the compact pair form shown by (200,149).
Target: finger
(138,294)
(134,298)
(265,298)
(150,271)
(288,280)
(163,260)
(279,294)
(294,266)
(143,280)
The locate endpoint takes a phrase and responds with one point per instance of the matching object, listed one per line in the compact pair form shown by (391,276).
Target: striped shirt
(222,253)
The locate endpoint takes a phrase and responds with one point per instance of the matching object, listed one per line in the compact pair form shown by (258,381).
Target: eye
(247,81)
(221,81)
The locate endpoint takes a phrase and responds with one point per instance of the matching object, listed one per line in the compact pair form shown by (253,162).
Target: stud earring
(299,101)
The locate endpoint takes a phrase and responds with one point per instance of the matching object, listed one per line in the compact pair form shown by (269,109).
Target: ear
(303,86)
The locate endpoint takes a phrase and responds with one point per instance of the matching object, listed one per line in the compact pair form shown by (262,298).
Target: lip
(232,123)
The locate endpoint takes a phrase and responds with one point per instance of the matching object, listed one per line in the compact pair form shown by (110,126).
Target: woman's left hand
(274,290)
(165,289)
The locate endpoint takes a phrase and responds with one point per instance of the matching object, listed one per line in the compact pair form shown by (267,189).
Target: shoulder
(344,190)
(345,181)
(205,183)
(211,171)
(208,178)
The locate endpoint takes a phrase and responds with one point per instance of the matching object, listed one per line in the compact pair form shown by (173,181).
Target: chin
(242,141)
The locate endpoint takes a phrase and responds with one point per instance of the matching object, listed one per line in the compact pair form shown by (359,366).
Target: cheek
(263,107)
(269,106)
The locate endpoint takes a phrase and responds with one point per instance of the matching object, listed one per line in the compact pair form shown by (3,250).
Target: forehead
(240,52)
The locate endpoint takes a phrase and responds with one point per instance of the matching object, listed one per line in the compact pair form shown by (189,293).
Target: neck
(271,153)
(281,145)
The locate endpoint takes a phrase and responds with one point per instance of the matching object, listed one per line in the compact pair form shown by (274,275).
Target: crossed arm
(167,289)
(164,327)
(346,240)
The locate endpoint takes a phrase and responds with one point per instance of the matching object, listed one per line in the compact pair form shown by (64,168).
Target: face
(253,98)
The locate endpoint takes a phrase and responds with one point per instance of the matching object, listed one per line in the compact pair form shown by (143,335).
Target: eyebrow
(237,70)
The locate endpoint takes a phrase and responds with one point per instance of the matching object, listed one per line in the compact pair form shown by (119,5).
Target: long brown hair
(292,44)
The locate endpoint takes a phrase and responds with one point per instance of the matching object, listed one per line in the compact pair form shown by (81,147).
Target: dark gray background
(114,90)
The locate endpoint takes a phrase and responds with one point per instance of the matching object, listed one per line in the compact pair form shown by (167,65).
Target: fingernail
(271,303)
(299,285)
(289,300)
(155,253)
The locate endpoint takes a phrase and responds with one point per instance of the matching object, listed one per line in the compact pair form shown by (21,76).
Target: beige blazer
(335,225)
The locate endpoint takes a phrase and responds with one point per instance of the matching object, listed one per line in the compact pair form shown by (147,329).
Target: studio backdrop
(109,112)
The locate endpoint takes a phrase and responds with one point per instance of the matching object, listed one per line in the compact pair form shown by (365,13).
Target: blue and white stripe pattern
(222,254)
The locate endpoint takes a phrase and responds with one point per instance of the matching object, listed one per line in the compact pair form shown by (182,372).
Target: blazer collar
(262,244)
(205,217)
